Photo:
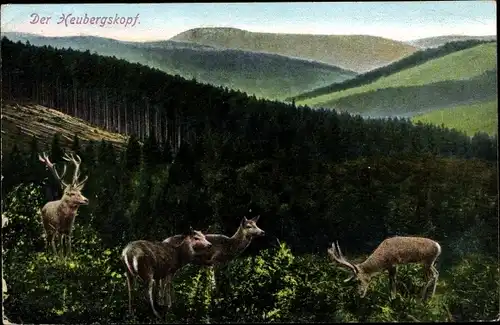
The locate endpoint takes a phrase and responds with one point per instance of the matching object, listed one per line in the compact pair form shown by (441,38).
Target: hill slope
(407,62)
(457,78)
(468,118)
(267,75)
(21,122)
(430,42)
(359,53)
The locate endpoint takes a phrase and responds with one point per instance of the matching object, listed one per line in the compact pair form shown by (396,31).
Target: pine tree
(75,146)
(133,154)
(151,151)
(56,151)
(35,167)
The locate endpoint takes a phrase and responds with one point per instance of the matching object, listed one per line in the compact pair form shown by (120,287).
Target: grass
(455,66)
(469,118)
(411,100)
(359,53)
(20,123)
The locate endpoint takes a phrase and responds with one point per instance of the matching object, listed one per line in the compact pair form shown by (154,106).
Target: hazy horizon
(402,21)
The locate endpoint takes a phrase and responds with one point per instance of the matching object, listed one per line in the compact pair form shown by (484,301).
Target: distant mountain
(359,53)
(437,41)
(265,75)
(460,78)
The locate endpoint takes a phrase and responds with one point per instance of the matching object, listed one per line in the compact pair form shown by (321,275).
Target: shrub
(474,288)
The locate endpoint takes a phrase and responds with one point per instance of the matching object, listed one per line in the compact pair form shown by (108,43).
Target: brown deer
(224,248)
(391,252)
(58,216)
(154,261)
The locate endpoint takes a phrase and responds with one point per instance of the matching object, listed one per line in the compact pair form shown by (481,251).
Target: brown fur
(224,248)
(155,261)
(58,217)
(391,252)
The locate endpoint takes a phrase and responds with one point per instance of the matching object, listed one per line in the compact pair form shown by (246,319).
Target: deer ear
(243,221)
(256,218)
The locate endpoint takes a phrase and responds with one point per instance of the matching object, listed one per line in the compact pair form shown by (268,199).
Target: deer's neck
(67,209)
(239,242)
(185,253)
(371,266)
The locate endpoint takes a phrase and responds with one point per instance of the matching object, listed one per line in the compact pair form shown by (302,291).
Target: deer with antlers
(391,252)
(224,248)
(58,216)
(154,261)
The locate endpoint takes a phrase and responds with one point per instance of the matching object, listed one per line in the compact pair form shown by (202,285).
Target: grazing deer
(154,261)
(58,216)
(224,248)
(393,251)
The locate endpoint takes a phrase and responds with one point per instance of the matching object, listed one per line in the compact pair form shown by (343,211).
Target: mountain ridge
(354,52)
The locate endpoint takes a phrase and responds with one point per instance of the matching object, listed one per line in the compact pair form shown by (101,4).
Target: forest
(204,156)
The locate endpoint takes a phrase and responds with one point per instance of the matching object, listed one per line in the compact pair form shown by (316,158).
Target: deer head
(249,227)
(71,191)
(196,239)
(363,278)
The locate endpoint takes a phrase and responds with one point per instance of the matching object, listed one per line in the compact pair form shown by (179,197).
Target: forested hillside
(410,61)
(265,75)
(463,77)
(211,156)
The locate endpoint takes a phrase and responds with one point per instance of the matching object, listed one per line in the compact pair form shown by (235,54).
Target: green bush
(473,288)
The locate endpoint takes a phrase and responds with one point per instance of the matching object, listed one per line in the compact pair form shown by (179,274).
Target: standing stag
(393,251)
(224,248)
(58,216)
(154,261)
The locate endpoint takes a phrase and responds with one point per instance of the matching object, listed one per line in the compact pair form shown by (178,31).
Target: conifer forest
(208,157)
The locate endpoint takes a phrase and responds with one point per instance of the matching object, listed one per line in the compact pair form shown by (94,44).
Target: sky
(396,20)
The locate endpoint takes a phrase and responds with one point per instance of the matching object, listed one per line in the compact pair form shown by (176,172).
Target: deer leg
(392,281)
(171,288)
(151,283)
(69,244)
(46,238)
(129,286)
(161,291)
(166,291)
(435,274)
(428,278)
(61,245)
(53,242)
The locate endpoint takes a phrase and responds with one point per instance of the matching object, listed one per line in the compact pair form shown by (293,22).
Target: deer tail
(127,263)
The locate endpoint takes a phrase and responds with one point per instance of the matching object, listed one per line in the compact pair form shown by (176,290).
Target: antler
(52,167)
(336,254)
(76,174)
